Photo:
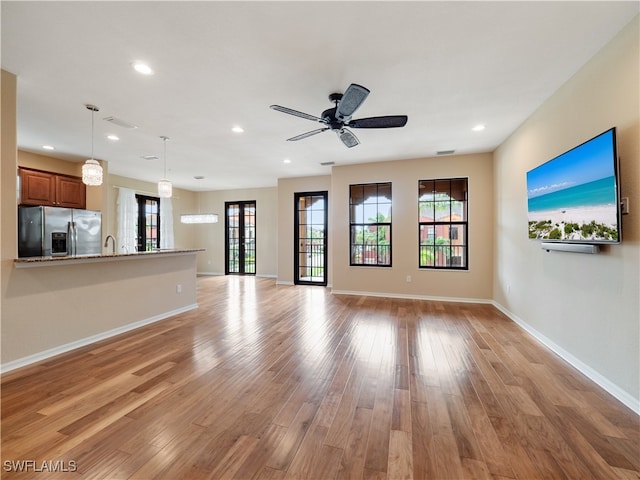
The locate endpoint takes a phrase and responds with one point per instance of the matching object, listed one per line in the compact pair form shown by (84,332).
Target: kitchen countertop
(75,259)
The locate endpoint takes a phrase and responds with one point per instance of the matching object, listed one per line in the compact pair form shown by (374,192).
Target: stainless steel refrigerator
(56,231)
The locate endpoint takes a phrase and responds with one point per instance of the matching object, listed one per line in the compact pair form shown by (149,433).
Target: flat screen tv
(575,197)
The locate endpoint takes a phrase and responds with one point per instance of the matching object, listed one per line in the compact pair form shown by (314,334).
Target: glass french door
(310,238)
(148,223)
(240,238)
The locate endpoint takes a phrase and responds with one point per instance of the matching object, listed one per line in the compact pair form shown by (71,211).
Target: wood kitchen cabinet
(52,189)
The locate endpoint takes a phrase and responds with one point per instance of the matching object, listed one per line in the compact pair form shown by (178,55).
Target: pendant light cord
(93,115)
(164,139)
(93,109)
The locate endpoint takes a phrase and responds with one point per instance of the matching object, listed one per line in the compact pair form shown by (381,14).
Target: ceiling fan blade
(389,121)
(350,101)
(297,113)
(308,134)
(348,138)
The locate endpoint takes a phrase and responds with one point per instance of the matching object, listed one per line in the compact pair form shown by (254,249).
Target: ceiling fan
(338,118)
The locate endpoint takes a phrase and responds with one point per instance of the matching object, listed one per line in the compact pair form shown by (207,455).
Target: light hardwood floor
(266,381)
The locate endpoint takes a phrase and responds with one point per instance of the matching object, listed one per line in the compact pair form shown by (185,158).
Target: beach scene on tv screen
(573,197)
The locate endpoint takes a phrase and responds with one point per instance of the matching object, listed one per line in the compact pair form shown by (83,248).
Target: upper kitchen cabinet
(52,189)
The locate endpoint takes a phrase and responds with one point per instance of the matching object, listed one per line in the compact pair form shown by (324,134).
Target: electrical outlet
(408,278)
(178,288)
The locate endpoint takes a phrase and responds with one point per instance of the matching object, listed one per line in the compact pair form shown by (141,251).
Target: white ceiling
(447,65)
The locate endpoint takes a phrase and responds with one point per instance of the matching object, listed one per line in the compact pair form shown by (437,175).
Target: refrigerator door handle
(72,238)
(69,239)
(75,238)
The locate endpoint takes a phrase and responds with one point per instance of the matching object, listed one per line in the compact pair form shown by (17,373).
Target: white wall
(8,182)
(474,284)
(585,306)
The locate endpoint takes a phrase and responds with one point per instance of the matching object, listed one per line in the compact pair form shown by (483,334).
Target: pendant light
(199,218)
(164,185)
(92,170)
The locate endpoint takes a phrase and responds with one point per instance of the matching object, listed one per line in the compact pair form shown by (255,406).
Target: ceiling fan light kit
(339,117)
(348,138)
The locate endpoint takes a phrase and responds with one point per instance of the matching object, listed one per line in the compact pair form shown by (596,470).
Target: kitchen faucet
(113,246)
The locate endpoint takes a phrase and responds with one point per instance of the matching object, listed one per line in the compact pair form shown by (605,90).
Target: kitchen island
(55,304)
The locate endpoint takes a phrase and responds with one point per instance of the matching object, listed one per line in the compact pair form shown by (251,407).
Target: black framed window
(442,223)
(370,224)
(148,223)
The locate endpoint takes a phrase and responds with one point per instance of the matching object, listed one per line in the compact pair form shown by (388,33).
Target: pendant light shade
(165,189)
(91,173)
(92,170)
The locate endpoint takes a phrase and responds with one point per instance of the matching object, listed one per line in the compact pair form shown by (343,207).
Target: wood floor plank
(353,457)
(314,459)
(235,458)
(339,428)
(401,415)
(497,461)
(289,444)
(515,444)
(448,461)
(424,463)
(400,456)
(270,381)
(264,449)
(379,435)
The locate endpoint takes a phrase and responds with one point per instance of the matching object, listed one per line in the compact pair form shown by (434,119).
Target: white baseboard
(413,297)
(613,389)
(52,352)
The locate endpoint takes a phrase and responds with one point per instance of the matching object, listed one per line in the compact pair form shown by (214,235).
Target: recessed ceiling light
(286,160)
(237,129)
(48,147)
(142,68)
(113,137)
(478,128)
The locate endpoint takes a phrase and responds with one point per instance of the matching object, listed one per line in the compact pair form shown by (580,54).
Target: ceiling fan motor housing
(332,122)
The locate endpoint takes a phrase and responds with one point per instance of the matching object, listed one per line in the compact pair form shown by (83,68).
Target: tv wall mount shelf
(570,247)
